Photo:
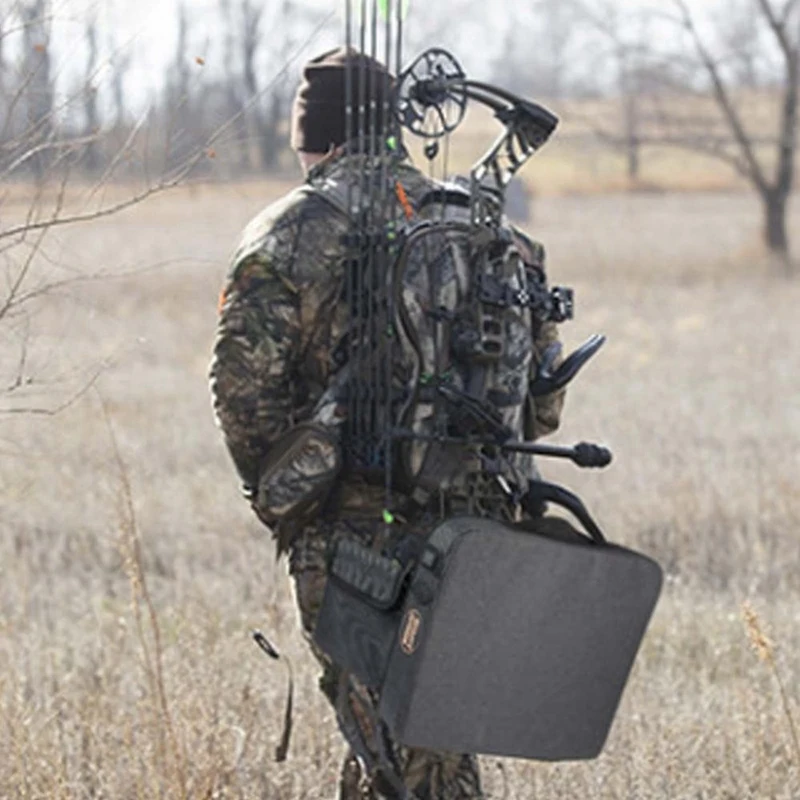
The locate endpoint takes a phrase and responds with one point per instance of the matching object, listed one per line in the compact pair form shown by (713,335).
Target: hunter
(282,313)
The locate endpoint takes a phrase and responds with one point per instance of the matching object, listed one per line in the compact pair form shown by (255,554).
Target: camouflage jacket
(281,315)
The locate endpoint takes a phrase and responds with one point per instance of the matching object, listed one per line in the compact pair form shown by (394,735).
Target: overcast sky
(148,30)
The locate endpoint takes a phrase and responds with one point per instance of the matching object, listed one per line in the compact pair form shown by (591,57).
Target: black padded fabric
(509,642)
(377,578)
(355,634)
(525,649)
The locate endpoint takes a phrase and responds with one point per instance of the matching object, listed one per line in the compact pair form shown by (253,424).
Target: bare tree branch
(123,150)
(755,171)
(55,220)
(63,406)
(777,24)
(23,357)
(788,8)
(18,280)
(42,147)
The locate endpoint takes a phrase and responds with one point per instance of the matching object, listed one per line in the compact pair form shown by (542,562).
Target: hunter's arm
(258,339)
(543,414)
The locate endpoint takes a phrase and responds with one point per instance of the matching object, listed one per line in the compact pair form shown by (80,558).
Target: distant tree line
(243,102)
(721,81)
(678,78)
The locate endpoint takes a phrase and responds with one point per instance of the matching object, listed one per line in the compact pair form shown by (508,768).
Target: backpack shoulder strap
(334,192)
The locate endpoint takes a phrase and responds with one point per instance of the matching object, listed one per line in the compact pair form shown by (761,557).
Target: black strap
(540,492)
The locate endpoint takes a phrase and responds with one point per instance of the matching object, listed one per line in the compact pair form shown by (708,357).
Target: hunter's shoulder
(294,234)
(338,179)
(533,250)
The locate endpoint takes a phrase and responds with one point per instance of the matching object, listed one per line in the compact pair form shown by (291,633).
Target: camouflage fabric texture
(298,474)
(281,315)
(472,349)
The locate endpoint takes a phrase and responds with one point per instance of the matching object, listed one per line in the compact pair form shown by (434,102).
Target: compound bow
(429,99)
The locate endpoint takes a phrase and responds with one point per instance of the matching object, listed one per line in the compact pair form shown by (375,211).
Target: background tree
(536,57)
(277,99)
(743,44)
(621,48)
(234,100)
(49,142)
(119,62)
(251,14)
(766,159)
(37,82)
(91,112)
(178,115)
(3,78)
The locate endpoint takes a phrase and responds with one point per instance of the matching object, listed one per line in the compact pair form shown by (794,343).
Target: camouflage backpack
(438,358)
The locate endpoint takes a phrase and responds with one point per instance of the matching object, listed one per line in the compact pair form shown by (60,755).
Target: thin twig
(19,279)
(140,593)
(55,221)
(52,412)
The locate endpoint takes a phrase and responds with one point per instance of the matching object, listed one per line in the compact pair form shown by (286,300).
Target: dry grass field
(131,572)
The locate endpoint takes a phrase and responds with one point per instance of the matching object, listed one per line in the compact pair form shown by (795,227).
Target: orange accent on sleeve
(404,201)
(223,296)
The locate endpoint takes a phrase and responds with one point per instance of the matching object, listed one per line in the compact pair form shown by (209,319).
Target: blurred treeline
(632,74)
(105,116)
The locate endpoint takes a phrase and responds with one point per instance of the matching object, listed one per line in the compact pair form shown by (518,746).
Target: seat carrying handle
(540,492)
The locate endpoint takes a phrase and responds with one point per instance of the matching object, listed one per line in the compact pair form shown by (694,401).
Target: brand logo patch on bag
(409,636)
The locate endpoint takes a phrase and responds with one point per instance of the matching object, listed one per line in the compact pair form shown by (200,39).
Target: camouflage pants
(424,774)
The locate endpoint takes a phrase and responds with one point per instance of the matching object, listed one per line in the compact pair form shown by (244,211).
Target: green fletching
(388,517)
(388,8)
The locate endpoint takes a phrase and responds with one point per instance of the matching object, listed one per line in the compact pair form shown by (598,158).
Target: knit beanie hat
(319,113)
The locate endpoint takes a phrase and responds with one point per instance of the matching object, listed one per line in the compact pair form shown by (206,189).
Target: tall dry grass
(131,572)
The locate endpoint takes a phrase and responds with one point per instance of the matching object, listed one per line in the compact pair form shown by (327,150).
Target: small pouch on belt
(298,473)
